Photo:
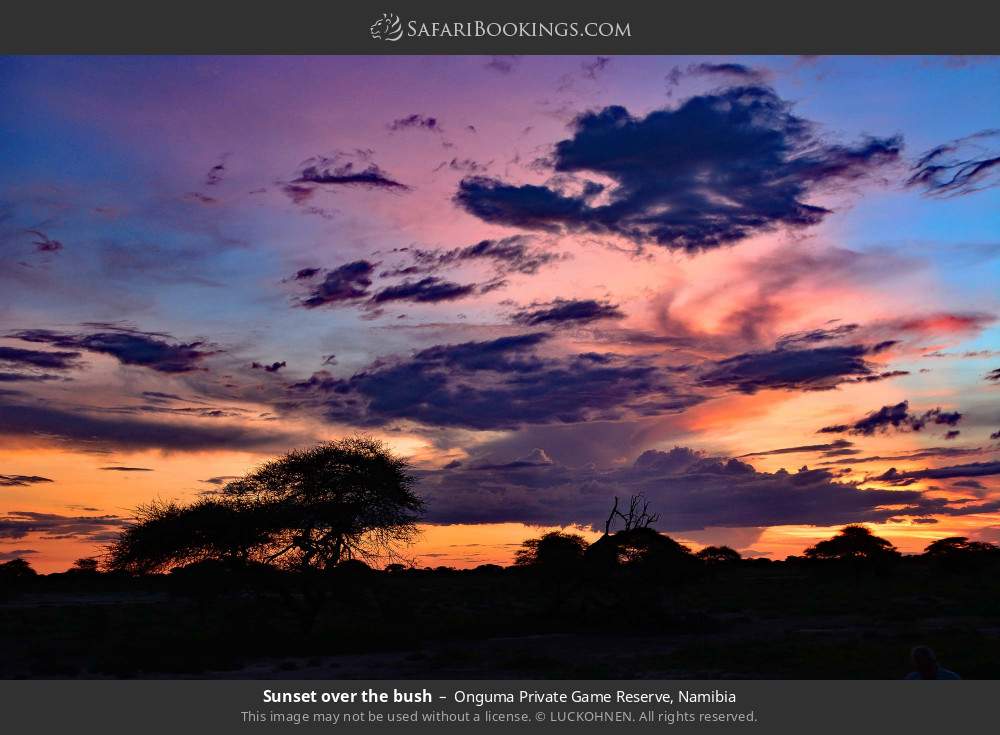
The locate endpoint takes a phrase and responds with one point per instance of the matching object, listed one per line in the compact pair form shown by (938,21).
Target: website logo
(387,28)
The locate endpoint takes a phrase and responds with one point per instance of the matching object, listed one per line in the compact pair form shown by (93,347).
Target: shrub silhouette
(855,543)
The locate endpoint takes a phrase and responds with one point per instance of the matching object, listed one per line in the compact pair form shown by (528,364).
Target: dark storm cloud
(349,282)
(428,290)
(499,384)
(416,121)
(959,167)
(21,480)
(38,358)
(896,417)
(719,168)
(567,311)
(19,523)
(831,447)
(692,492)
(81,429)
(128,346)
(814,368)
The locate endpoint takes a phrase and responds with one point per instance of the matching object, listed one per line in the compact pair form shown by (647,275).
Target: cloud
(81,429)
(731,72)
(961,166)
(346,283)
(6,377)
(272,368)
(691,491)
(798,340)
(717,169)
(813,368)
(129,346)
(897,417)
(45,244)
(38,358)
(125,469)
(16,554)
(502,64)
(220,480)
(416,121)
(509,255)
(830,447)
(428,290)
(973,469)
(499,384)
(328,172)
(929,453)
(19,523)
(567,311)
(994,375)
(21,480)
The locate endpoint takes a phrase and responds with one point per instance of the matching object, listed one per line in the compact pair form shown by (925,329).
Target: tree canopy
(309,509)
(853,542)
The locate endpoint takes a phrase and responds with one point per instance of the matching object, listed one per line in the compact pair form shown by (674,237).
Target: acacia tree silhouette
(308,510)
(350,499)
(854,542)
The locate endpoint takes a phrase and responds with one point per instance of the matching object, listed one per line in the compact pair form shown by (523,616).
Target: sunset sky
(760,290)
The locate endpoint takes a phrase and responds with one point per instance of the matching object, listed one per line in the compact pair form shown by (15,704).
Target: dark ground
(748,619)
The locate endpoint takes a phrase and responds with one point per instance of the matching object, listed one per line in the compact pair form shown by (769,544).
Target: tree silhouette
(958,553)
(308,510)
(554,550)
(954,546)
(86,565)
(853,543)
(16,570)
(638,515)
(167,534)
(719,554)
(349,499)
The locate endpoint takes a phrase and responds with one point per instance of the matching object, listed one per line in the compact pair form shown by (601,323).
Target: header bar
(510,27)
